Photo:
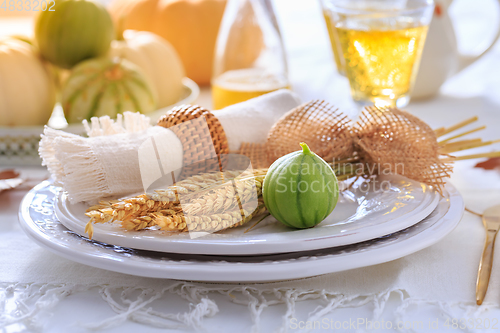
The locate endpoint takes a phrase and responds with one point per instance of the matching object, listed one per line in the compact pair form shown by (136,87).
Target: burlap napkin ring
(198,141)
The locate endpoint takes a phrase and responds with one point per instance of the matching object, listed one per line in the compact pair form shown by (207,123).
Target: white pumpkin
(158,60)
(27,88)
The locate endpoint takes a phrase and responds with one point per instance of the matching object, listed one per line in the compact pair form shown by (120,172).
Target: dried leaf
(490,164)
(8,174)
(9,180)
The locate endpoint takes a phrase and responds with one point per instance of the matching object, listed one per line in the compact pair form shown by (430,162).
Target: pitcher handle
(466,60)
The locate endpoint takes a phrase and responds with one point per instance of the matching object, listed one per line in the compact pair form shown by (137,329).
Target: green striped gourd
(71,31)
(300,189)
(103,86)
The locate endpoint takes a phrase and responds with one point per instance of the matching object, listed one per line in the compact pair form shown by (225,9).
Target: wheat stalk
(174,220)
(163,208)
(449,145)
(126,209)
(226,197)
(131,208)
(170,220)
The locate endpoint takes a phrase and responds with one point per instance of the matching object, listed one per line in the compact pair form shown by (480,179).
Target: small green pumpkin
(72,31)
(106,87)
(300,189)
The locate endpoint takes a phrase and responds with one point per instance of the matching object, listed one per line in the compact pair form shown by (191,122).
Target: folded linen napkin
(107,162)
(250,121)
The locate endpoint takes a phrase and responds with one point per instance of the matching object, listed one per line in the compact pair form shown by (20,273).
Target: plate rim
(255,247)
(233,272)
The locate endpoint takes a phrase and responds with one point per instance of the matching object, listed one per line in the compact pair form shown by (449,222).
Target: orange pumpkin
(191,26)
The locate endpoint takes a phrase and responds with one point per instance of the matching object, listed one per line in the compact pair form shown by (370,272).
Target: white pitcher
(440,57)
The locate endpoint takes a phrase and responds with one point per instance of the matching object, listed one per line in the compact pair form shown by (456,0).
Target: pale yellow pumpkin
(191,26)
(158,60)
(27,87)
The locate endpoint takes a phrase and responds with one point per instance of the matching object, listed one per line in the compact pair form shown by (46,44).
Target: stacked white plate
(370,225)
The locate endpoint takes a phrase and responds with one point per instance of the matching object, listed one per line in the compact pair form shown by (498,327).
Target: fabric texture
(250,121)
(101,166)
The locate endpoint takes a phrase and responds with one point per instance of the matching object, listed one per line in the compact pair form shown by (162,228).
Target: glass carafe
(249,54)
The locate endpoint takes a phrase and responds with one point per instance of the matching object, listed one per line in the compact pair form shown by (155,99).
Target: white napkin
(251,121)
(101,166)
(108,164)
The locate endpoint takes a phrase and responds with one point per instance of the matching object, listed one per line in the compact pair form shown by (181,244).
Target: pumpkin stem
(305,149)
(114,73)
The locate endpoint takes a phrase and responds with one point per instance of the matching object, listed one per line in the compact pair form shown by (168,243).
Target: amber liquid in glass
(381,64)
(239,85)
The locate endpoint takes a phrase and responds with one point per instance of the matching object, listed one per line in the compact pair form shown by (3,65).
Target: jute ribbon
(381,140)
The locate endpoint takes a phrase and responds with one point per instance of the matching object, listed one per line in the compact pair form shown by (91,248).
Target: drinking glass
(379,45)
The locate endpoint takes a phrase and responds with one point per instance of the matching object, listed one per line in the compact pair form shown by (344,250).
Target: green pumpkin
(106,87)
(74,31)
(300,189)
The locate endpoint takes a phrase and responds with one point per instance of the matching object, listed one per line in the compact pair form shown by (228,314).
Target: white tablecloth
(41,291)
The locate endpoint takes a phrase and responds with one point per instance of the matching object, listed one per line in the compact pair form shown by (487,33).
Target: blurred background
(306,40)
(175,64)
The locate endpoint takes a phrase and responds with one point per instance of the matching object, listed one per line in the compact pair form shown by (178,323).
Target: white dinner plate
(364,212)
(38,219)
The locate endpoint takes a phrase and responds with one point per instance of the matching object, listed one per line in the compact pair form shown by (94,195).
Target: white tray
(19,145)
